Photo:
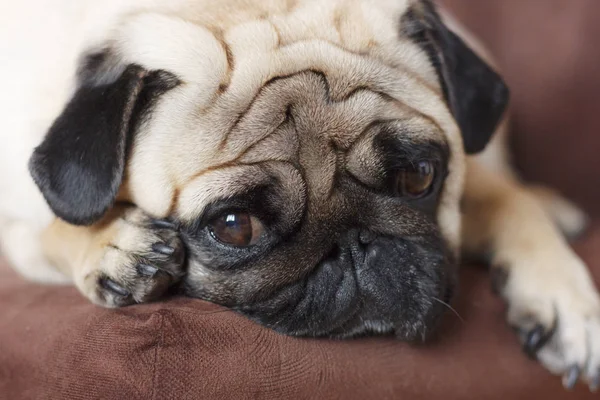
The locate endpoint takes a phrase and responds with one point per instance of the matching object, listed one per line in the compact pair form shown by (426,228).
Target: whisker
(450,308)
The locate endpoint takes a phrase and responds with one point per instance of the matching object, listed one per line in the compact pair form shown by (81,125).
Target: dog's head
(312,152)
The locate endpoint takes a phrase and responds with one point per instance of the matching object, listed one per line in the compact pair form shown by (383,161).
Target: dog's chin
(417,331)
(389,286)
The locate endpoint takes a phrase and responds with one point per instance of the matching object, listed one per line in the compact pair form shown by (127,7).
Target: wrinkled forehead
(296,123)
(258,87)
(365,65)
(229,50)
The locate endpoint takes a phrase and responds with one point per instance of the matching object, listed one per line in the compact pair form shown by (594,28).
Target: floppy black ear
(80,164)
(476,95)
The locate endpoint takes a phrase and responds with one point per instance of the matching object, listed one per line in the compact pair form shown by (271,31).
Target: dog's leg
(551,298)
(126,258)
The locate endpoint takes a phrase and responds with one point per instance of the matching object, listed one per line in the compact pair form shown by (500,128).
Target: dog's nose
(353,245)
(355,237)
(366,237)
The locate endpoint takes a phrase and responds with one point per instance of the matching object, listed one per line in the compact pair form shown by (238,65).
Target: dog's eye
(237,229)
(416,180)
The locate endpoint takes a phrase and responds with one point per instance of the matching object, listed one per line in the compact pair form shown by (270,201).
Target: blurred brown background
(549,53)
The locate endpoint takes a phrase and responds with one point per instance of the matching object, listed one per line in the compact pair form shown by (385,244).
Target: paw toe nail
(164,224)
(534,341)
(571,377)
(109,284)
(147,270)
(163,249)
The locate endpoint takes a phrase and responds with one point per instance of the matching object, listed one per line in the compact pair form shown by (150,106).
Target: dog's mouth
(388,286)
(418,330)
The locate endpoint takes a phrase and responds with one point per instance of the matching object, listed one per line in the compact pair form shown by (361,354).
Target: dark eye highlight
(237,229)
(415,180)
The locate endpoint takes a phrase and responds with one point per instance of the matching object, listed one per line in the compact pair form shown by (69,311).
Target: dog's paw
(142,260)
(555,309)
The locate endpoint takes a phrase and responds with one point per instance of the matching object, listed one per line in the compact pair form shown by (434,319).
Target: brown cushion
(55,345)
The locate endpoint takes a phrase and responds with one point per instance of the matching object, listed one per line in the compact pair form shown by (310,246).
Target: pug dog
(317,166)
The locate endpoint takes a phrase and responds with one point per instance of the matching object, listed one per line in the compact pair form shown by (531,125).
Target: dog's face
(312,152)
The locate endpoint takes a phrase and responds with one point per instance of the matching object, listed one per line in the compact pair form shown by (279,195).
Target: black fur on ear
(80,164)
(476,95)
